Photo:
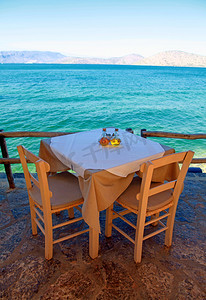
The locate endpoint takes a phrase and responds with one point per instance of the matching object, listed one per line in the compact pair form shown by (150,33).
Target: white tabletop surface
(82,151)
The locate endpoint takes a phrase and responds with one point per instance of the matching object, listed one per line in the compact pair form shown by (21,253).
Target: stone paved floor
(175,273)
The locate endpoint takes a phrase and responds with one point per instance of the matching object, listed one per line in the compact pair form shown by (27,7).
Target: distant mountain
(166,58)
(29,57)
(174,58)
(123,60)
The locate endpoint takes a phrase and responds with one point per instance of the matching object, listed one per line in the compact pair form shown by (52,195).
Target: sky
(103,28)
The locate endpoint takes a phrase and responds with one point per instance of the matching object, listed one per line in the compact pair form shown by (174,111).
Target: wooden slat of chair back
(148,167)
(169,159)
(34,180)
(21,151)
(29,155)
(183,172)
(145,185)
(183,157)
(165,160)
(24,153)
(162,187)
(46,194)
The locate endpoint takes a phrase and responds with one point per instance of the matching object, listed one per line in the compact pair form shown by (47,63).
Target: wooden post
(142,134)
(7,166)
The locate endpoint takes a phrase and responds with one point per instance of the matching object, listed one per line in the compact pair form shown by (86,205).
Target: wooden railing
(144,133)
(172,135)
(5,155)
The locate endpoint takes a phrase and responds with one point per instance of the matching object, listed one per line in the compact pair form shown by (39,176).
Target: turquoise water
(83,97)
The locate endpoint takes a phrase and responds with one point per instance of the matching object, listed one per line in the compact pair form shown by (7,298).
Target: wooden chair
(49,195)
(154,200)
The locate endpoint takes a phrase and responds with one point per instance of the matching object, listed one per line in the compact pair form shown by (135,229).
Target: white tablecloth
(81,151)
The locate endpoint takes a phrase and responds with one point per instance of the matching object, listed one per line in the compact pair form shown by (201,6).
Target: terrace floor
(175,273)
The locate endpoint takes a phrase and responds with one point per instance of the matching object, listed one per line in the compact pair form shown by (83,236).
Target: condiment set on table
(110,139)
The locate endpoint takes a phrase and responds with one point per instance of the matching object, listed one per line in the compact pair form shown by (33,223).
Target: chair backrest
(148,168)
(42,169)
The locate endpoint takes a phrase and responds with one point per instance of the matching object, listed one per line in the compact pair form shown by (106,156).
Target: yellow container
(115,142)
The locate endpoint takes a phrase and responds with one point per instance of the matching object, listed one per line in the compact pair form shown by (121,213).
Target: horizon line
(89,56)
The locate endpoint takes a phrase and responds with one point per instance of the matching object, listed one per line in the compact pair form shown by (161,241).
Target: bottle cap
(104,129)
(116,129)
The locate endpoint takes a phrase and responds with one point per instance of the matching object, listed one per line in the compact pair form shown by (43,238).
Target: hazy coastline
(165,58)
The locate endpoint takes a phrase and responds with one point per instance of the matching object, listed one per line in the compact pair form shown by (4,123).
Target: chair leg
(33,216)
(71,213)
(138,249)
(139,239)
(108,225)
(48,237)
(170,225)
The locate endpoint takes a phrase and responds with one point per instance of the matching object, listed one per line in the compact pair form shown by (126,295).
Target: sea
(58,97)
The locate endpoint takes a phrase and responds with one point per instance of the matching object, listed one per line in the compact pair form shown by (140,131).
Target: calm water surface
(83,97)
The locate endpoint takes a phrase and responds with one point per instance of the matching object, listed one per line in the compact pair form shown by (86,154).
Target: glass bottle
(104,132)
(104,141)
(115,141)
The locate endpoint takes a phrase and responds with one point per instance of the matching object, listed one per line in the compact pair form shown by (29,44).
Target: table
(104,173)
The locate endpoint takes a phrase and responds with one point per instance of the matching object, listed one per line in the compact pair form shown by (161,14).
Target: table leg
(108,225)
(93,243)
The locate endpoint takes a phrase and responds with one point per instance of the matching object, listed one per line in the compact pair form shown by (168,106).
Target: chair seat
(156,201)
(65,190)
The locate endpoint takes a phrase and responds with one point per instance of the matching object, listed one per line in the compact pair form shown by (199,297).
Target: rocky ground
(175,273)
